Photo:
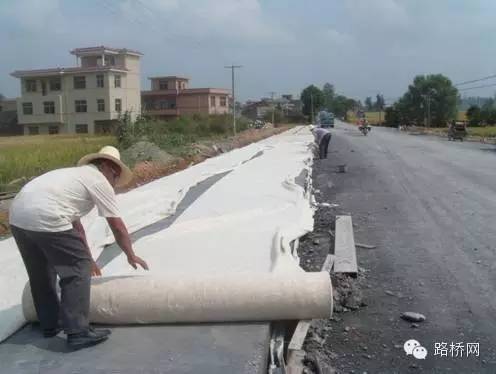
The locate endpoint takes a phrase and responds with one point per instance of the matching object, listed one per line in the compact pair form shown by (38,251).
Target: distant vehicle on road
(325,119)
(457,131)
(363,126)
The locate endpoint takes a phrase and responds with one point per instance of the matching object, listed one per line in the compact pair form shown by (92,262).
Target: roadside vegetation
(23,157)
(175,135)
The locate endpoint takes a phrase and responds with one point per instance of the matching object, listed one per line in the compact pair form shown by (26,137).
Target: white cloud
(222,20)
(383,13)
(33,15)
(337,38)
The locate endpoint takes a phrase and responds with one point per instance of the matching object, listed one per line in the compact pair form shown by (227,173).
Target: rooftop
(170,77)
(62,71)
(187,91)
(103,49)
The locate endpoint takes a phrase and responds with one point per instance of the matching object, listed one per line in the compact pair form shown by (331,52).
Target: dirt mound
(144,151)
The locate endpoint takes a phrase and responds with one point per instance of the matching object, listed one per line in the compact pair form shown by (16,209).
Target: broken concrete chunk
(413,317)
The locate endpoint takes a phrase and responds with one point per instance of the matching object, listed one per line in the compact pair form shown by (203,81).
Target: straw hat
(110,153)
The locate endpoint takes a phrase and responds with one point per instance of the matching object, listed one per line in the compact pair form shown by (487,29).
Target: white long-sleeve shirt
(319,133)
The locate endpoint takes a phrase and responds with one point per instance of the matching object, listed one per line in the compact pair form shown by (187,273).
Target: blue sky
(361,46)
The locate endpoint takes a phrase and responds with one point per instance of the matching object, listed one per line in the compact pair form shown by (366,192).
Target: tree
(474,115)
(368,103)
(392,117)
(341,105)
(434,93)
(488,112)
(379,102)
(329,94)
(312,94)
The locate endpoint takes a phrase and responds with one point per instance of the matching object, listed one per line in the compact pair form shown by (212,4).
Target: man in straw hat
(45,222)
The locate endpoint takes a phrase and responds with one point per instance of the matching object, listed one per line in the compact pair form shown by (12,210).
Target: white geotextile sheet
(140,207)
(229,229)
(231,226)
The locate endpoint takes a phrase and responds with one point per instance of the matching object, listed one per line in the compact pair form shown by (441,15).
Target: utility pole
(311,106)
(380,109)
(427,98)
(272,93)
(232,67)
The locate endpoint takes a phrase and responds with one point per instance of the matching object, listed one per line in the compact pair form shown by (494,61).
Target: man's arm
(95,270)
(124,241)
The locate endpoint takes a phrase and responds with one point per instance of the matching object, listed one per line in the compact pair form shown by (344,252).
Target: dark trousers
(46,255)
(324,145)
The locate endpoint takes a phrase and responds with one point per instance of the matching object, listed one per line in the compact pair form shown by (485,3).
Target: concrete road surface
(429,205)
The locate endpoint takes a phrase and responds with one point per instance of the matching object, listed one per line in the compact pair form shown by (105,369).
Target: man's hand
(95,270)
(135,260)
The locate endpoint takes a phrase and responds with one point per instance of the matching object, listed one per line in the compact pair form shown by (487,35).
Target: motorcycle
(364,129)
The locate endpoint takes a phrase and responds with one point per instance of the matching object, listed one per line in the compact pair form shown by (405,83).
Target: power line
(476,80)
(473,88)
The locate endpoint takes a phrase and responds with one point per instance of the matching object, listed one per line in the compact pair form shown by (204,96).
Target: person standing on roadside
(45,222)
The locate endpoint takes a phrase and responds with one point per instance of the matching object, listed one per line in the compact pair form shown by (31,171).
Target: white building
(83,99)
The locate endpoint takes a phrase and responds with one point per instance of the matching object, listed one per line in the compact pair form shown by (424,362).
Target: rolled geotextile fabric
(243,297)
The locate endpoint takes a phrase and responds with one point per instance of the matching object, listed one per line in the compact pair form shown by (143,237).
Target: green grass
(372,117)
(174,135)
(29,156)
(484,132)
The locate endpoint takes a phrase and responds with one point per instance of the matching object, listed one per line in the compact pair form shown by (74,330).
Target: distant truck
(325,119)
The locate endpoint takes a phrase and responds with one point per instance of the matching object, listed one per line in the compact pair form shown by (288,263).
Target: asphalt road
(429,206)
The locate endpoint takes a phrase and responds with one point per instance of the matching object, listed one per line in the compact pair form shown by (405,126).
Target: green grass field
(372,117)
(28,156)
(484,132)
(375,117)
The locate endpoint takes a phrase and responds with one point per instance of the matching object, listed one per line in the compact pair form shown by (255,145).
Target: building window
(55,84)
(80,82)
(117,81)
(99,81)
(33,130)
(109,61)
(100,103)
(162,85)
(27,108)
(30,85)
(81,106)
(212,100)
(223,101)
(49,107)
(53,130)
(82,129)
(163,104)
(118,105)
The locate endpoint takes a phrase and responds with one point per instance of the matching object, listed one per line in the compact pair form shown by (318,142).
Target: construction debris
(413,317)
(366,246)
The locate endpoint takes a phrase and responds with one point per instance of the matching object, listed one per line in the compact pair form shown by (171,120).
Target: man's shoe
(102,331)
(50,333)
(86,339)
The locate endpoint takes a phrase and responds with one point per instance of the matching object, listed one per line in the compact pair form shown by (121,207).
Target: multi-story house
(171,97)
(87,98)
